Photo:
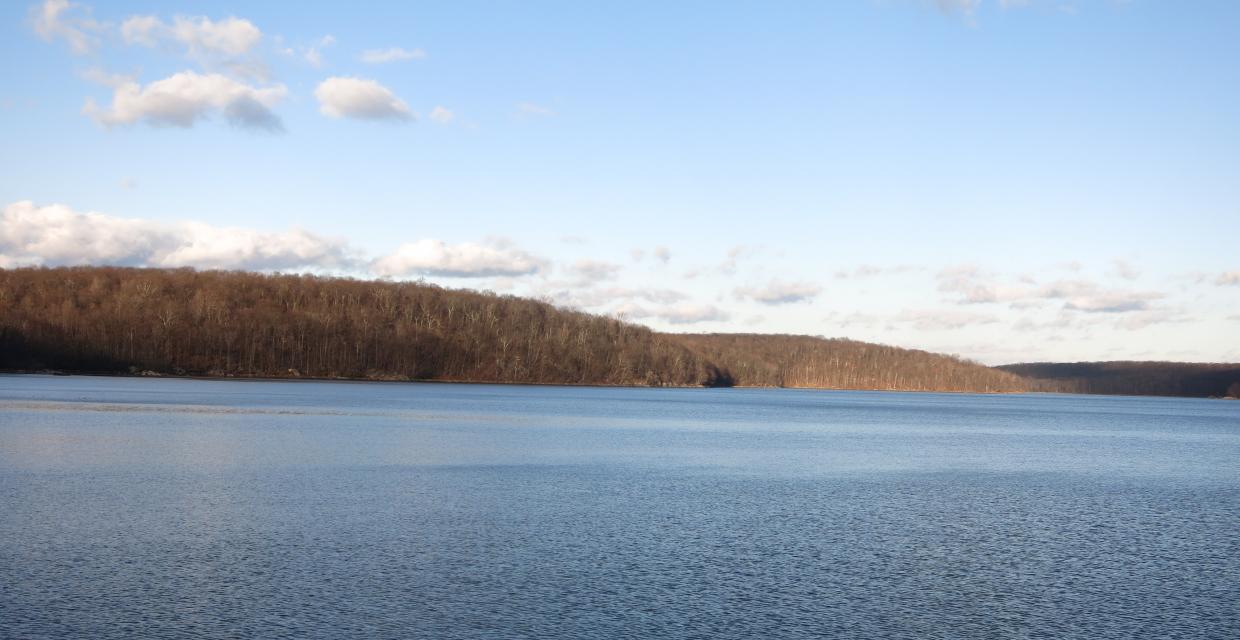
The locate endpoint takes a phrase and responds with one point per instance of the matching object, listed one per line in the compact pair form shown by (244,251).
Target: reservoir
(178,508)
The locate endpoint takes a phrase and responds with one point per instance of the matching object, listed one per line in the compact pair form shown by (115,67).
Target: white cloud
(230,36)
(975,286)
(361,99)
(199,35)
(57,235)
(943,319)
(69,21)
(531,109)
(1231,278)
(1112,301)
(685,313)
(613,299)
(391,54)
(776,292)
(735,255)
(693,314)
(870,271)
(465,260)
(1125,270)
(441,115)
(143,30)
(187,97)
(587,271)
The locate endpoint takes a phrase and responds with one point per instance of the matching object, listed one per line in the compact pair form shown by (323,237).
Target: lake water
(177,508)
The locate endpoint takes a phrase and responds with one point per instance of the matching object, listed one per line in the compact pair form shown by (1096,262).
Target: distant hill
(120,320)
(804,361)
(1133,378)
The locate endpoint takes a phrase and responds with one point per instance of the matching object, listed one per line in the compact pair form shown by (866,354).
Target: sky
(1004,180)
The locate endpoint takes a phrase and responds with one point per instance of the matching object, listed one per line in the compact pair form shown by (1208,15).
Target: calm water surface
(135,508)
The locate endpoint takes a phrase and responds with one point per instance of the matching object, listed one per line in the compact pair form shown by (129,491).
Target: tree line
(1202,380)
(229,323)
(215,323)
(803,361)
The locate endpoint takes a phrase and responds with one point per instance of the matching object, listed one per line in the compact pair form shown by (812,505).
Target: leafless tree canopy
(120,320)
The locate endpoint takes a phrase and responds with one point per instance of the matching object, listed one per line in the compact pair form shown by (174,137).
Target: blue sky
(1038,180)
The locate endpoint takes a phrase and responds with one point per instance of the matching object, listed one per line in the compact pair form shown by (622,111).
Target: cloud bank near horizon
(56,235)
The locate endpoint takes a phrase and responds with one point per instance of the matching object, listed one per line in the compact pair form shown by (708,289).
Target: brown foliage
(803,361)
(114,320)
(106,319)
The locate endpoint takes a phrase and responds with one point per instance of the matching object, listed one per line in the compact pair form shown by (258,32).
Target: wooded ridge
(224,323)
(1194,379)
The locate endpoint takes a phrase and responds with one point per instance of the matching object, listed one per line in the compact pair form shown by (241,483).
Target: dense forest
(220,323)
(106,319)
(186,322)
(1133,378)
(804,361)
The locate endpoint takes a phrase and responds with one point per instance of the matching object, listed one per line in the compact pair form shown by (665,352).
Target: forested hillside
(804,361)
(106,319)
(1133,378)
(186,322)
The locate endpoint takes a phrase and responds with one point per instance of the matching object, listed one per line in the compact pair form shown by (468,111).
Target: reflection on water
(213,509)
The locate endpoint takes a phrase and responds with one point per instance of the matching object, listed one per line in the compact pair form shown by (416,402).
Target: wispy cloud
(68,21)
(1124,269)
(199,36)
(535,110)
(958,6)
(391,54)
(1228,279)
(972,285)
(613,298)
(441,115)
(728,266)
(313,54)
(871,271)
(943,319)
(777,292)
(591,271)
(680,314)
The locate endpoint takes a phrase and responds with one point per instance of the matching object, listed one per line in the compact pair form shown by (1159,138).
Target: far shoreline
(210,378)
